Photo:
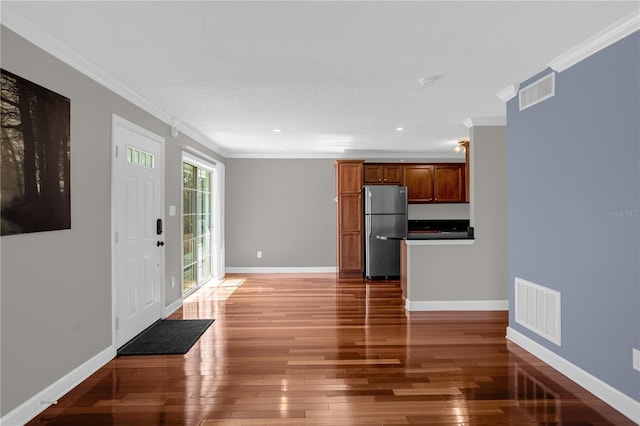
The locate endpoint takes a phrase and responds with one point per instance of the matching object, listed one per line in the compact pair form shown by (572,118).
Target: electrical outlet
(636,359)
(259,254)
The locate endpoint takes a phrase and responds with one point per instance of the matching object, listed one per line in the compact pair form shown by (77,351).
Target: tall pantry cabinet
(349,180)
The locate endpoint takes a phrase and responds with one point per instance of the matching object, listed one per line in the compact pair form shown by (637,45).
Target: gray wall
(574,226)
(285,208)
(476,272)
(56,286)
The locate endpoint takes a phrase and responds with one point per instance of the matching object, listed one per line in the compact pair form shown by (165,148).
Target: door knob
(160,243)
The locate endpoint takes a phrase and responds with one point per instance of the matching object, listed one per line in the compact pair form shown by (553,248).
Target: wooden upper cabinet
(450,183)
(435,183)
(383,174)
(349,177)
(372,174)
(418,178)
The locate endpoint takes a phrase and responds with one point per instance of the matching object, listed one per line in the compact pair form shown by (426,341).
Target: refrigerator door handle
(368,211)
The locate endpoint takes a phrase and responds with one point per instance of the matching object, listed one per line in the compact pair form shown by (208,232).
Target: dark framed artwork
(35,145)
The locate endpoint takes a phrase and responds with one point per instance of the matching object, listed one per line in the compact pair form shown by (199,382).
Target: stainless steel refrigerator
(385,221)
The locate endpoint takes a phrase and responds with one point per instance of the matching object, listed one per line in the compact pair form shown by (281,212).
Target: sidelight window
(197,226)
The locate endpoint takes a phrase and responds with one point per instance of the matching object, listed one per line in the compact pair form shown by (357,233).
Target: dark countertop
(428,236)
(438,225)
(440,229)
(434,230)
(439,236)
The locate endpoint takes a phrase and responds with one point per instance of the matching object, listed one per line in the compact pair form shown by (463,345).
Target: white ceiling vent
(537,91)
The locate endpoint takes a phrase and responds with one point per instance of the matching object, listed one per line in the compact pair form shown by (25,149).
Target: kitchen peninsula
(466,274)
(422,288)
(436,233)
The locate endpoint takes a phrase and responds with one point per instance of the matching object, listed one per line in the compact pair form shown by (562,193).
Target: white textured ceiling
(332,76)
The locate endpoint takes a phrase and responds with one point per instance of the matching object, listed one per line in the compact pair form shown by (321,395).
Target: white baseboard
(457,305)
(45,398)
(618,400)
(168,310)
(285,270)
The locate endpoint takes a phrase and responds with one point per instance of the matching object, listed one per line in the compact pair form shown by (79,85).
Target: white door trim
(216,167)
(210,166)
(118,121)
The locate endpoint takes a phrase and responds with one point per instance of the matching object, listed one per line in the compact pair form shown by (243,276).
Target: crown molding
(508,92)
(400,156)
(200,138)
(16,23)
(282,156)
(484,121)
(613,33)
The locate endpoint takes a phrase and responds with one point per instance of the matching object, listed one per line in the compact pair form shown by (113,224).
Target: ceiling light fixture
(429,81)
(399,129)
(463,144)
(277,130)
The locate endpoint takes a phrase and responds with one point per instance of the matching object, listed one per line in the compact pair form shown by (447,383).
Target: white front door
(138,188)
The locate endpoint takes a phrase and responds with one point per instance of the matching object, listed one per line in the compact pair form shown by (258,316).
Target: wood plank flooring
(313,350)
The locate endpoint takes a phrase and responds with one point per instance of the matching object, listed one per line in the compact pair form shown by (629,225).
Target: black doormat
(166,337)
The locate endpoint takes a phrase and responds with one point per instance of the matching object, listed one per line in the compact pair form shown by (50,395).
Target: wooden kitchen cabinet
(418,178)
(449,183)
(435,183)
(349,181)
(348,177)
(383,174)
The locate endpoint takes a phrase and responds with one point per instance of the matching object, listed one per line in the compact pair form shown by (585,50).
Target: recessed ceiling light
(277,130)
(399,129)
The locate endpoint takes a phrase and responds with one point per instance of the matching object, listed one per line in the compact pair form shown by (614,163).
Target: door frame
(201,160)
(117,121)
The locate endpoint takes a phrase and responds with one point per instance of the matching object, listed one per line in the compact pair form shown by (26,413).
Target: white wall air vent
(537,91)
(538,309)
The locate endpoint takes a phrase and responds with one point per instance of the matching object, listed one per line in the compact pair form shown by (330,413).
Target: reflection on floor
(312,350)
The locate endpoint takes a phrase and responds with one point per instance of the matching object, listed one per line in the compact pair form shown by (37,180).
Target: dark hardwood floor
(311,350)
